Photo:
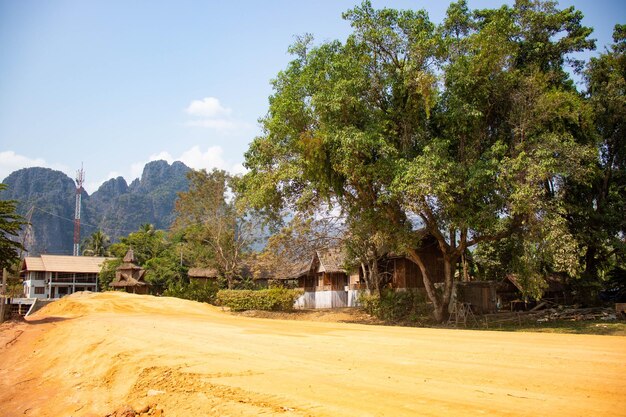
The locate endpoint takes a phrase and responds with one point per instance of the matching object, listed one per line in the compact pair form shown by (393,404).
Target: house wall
(35,285)
(481,295)
(57,284)
(326,299)
(406,273)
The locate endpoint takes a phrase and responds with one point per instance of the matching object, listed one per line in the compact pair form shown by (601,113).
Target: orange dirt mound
(88,354)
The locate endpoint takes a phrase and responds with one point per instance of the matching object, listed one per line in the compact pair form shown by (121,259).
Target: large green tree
(464,130)
(155,251)
(10,225)
(217,231)
(597,209)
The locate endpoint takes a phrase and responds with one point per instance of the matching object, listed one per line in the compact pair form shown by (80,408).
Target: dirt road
(88,354)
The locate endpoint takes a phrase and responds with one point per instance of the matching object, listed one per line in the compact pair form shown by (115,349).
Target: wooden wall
(406,274)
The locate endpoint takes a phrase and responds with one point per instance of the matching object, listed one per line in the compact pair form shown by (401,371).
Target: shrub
(396,305)
(196,291)
(272,299)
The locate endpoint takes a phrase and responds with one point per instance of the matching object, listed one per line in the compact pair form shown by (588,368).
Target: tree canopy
(468,130)
(10,225)
(217,231)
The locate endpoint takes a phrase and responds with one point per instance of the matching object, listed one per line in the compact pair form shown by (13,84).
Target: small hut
(129,276)
(203,275)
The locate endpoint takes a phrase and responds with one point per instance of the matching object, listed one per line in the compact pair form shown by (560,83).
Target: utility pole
(3,292)
(80,179)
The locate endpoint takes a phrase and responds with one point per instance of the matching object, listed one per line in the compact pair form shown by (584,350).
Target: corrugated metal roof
(61,263)
(33,263)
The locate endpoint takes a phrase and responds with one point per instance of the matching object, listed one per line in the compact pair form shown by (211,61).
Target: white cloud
(10,161)
(239,169)
(208,107)
(210,113)
(197,159)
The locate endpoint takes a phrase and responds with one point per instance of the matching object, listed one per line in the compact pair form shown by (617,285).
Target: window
(37,275)
(40,290)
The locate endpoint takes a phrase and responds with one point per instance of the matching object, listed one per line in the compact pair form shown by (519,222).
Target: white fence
(328,299)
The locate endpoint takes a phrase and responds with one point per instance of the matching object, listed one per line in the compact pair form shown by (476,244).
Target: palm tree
(97,244)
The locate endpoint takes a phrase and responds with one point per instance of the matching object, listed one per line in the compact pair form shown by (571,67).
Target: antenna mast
(80,180)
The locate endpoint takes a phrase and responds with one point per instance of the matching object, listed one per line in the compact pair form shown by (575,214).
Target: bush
(196,291)
(272,299)
(396,305)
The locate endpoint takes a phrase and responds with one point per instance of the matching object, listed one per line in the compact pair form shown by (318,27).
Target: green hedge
(196,291)
(396,305)
(273,299)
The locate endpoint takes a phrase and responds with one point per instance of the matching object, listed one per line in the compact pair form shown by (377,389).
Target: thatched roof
(128,274)
(202,273)
(331,260)
(124,279)
(130,257)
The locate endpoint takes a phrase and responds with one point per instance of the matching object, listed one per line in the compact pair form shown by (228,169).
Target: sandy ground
(89,354)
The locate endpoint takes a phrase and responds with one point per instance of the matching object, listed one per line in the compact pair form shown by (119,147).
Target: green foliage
(394,306)
(146,243)
(155,251)
(597,208)
(162,272)
(97,244)
(107,274)
(196,291)
(272,299)
(216,231)
(10,225)
(469,129)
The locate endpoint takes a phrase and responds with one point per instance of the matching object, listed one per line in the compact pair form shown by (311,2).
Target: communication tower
(80,180)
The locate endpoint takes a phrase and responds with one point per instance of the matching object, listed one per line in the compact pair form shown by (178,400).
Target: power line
(84,224)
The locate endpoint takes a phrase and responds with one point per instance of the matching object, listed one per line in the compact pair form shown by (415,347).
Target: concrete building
(54,276)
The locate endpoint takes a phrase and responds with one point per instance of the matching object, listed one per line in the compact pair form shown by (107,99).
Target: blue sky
(114,84)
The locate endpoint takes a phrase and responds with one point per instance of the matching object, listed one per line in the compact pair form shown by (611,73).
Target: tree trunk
(428,285)
(449,265)
(440,303)
(366,277)
(375,276)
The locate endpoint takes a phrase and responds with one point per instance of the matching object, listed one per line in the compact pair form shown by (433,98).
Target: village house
(54,276)
(510,292)
(328,284)
(203,275)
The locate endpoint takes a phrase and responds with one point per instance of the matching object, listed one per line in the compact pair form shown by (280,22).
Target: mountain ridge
(116,207)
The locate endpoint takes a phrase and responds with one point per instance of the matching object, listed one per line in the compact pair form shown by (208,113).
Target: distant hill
(116,207)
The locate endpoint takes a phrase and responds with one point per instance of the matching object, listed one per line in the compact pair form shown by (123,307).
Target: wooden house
(403,273)
(327,283)
(510,291)
(203,275)
(129,276)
